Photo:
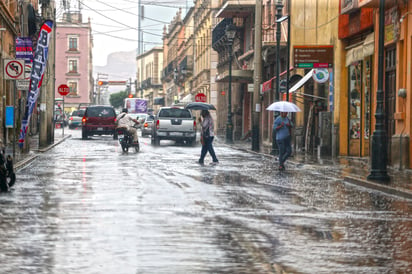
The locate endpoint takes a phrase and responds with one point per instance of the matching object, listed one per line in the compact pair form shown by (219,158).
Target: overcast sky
(115,23)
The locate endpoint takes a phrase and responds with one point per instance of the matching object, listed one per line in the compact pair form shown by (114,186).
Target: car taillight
(84,119)
(71,118)
(194,124)
(157,124)
(145,125)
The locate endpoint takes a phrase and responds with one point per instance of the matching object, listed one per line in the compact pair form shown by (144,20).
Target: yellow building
(148,76)
(320,101)
(184,71)
(205,57)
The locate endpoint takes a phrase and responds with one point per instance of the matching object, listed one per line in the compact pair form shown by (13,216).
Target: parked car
(99,120)
(75,118)
(147,125)
(139,117)
(60,117)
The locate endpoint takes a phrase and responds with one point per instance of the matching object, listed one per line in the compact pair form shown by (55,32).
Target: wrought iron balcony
(185,66)
(147,83)
(219,34)
(168,72)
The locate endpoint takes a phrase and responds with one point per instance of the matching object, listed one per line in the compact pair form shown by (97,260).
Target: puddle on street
(86,207)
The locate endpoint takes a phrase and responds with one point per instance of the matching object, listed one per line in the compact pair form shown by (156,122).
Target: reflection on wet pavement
(86,207)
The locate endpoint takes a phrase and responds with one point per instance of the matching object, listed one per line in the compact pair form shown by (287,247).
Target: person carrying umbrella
(283,127)
(207,136)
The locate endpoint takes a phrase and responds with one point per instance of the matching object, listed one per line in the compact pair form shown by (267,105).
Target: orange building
(359,31)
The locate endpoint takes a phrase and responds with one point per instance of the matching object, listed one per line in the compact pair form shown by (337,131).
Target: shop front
(359,106)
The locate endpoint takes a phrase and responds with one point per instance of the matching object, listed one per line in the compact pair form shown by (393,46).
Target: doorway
(390,97)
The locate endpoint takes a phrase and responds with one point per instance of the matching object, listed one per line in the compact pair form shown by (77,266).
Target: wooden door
(390,97)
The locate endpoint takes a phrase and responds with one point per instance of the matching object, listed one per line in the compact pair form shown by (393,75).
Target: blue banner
(9,116)
(36,76)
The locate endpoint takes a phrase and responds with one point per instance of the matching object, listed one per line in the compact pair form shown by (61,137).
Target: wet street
(86,207)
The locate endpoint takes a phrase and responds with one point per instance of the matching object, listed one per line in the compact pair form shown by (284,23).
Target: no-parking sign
(13,69)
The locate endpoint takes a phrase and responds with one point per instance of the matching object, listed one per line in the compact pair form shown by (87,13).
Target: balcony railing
(149,83)
(218,34)
(167,73)
(186,66)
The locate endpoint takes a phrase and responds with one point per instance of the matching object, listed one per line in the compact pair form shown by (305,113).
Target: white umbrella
(283,106)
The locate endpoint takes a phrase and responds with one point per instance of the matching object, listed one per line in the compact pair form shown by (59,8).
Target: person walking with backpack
(283,127)
(206,137)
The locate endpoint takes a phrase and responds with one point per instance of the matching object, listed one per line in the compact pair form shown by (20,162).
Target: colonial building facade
(74,58)
(338,115)
(148,77)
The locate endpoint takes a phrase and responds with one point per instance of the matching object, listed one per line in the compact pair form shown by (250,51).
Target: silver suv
(146,126)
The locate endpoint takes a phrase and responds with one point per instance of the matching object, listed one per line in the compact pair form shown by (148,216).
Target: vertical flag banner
(36,76)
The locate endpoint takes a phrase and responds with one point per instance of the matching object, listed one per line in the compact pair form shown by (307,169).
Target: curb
(380,187)
(55,143)
(385,188)
(31,158)
(25,162)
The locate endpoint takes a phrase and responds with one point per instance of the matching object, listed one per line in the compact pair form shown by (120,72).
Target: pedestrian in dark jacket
(283,127)
(207,136)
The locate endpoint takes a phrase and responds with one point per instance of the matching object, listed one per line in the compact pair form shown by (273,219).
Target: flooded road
(86,207)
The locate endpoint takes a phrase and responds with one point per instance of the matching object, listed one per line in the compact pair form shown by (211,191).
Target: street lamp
(280,20)
(230,33)
(279,7)
(379,144)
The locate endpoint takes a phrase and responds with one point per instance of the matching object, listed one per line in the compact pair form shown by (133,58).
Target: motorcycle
(7,175)
(126,140)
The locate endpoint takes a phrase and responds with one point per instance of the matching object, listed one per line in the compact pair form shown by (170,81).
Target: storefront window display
(367,87)
(359,107)
(355,100)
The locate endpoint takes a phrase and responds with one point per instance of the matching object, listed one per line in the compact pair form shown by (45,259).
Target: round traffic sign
(63,90)
(14,69)
(200,97)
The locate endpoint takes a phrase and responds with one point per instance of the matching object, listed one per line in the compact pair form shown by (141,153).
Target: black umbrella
(200,106)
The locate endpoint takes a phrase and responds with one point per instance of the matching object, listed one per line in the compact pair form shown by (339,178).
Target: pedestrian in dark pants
(283,127)
(207,136)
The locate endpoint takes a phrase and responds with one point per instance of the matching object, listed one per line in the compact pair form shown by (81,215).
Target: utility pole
(257,77)
(46,133)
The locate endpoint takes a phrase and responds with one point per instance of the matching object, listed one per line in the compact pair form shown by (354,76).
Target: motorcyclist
(127,122)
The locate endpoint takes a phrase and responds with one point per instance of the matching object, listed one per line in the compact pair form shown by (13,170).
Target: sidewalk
(22,159)
(350,169)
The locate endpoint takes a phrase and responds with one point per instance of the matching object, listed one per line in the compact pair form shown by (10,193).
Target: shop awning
(302,81)
(369,45)
(187,99)
(361,51)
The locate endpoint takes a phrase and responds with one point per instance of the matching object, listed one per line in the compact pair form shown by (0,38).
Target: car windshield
(78,113)
(174,112)
(100,112)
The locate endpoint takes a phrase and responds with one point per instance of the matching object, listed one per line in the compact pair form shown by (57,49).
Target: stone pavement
(350,169)
(353,170)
